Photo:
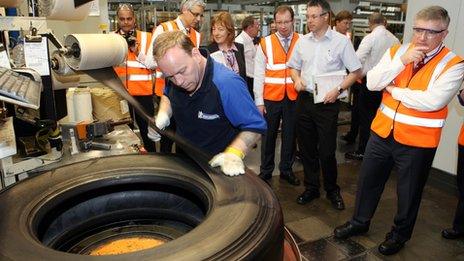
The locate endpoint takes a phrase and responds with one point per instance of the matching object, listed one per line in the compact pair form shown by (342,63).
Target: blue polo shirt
(221,108)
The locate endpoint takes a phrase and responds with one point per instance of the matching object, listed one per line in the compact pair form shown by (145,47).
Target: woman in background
(223,49)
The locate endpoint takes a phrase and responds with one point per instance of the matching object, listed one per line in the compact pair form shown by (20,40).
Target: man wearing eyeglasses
(321,51)
(134,73)
(275,95)
(417,81)
(191,13)
(210,103)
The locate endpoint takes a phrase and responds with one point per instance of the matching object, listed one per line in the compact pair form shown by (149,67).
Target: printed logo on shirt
(206,116)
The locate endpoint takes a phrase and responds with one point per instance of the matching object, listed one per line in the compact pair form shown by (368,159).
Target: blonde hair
(434,13)
(168,40)
(225,19)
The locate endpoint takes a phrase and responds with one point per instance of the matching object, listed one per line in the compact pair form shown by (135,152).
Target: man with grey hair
(417,81)
(191,13)
(369,52)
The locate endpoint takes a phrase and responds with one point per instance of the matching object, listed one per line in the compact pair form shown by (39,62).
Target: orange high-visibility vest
(412,127)
(277,81)
(461,136)
(135,76)
(194,37)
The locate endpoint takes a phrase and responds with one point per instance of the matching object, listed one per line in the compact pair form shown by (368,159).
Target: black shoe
(307,196)
(265,177)
(390,246)
(291,179)
(348,230)
(348,138)
(336,200)
(451,233)
(354,155)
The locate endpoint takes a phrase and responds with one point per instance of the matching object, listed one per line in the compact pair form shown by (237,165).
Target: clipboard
(323,83)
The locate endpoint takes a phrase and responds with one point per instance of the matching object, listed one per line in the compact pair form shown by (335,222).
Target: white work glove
(230,161)
(161,121)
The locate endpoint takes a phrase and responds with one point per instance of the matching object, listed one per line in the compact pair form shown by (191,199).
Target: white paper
(4,61)
(63,10)
(323,83)
(36,56)
(95,8)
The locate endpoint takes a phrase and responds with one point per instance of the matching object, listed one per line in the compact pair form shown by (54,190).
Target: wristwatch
(340,89)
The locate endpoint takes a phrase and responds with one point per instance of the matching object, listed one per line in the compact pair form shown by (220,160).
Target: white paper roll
(70,104)
(10,3)
(96,50)
(82,105)
(63,10)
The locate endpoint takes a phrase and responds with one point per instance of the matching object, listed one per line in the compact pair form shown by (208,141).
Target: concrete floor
(313,223)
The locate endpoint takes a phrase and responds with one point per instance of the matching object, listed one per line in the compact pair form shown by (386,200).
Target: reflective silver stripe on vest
(276,67)
(269,54)
(170,27)
(158,74)
(143,44)
(139,77)
(411,120)
(440,67)
(273,80)
(135,64)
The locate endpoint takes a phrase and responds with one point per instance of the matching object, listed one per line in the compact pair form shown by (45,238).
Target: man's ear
(195,51)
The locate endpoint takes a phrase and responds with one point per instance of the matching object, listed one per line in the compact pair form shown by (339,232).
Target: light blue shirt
(333,52)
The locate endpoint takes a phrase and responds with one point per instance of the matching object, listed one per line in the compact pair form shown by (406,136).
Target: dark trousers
(458,223)
(148,104)
(275,111)
(354,127)
(316,132)
(412,165)
(249,81)
(368,103)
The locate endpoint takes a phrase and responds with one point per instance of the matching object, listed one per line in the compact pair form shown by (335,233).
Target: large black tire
(232,217)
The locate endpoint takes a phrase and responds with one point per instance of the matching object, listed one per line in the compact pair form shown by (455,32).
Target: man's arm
(244,141)
(298,83)
(258,80)
(384,72)
(150,62)
(165,106)
(365,49)
(436,96)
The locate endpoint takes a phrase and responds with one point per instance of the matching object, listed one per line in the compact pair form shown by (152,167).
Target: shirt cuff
(398,93)
(259,101)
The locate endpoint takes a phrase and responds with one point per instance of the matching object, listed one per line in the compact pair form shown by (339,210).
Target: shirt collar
(328,34)
(281,38)
(233,48)
(379,27)
(181,25)
(245,34)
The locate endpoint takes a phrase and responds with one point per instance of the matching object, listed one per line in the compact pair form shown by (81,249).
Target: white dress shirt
(373,46)
(333,52)
(250,52)
(150,61)
(443,90)
(260,69)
